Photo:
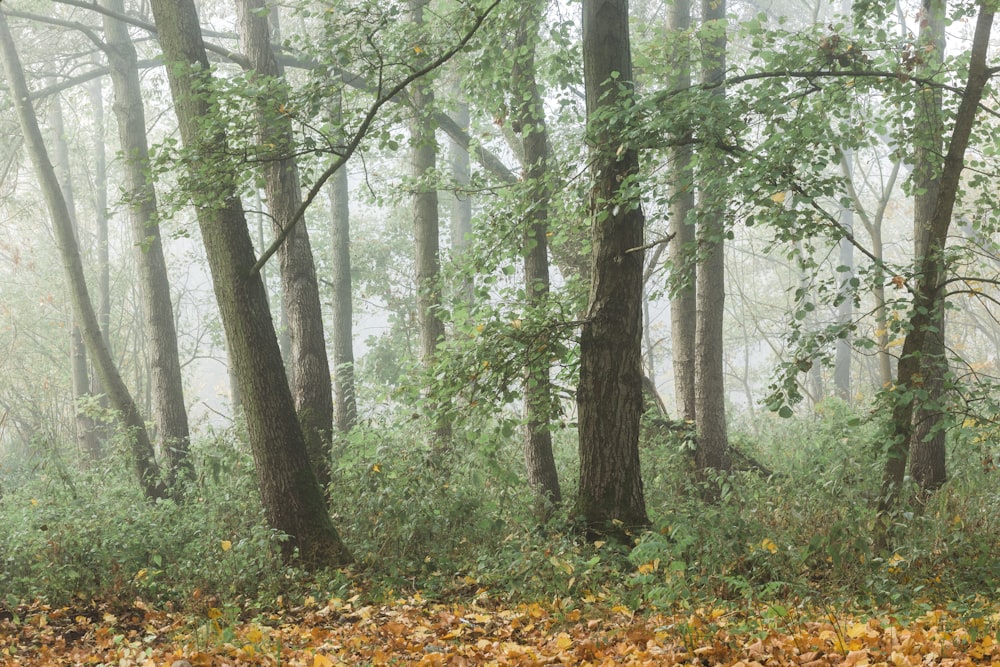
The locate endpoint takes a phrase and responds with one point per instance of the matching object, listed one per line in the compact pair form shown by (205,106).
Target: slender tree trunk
(528,119)
(96,91)
(426,225)
(310,377)
(293,500)
(927,442)
(461,205)
(845,311)
(928,298)
(609,395)
(87,430)
(710,403)
(166,387)
(682,248)
(121,400)
(342,336)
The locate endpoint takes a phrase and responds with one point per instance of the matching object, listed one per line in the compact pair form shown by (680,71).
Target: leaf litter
(415,631)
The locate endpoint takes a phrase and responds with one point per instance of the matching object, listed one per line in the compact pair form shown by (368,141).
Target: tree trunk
(710,396)
(927,442)
(342,338)
(310,366)
(682,248)
(845,311)
(609,395)
(166,384)
(426,226)
(121,400)
(293,500)
(928,298)
(528,119)
(461,205)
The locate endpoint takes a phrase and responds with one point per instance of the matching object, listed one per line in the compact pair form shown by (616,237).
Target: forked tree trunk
(609,395)
(310,376)
(293,500)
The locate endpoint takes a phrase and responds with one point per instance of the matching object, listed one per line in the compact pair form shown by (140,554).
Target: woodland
(499,332)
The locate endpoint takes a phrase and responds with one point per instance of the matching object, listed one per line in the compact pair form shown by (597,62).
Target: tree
(712,451)
(83,308)
(609,394)
(293,500)
(928,297)
(166,385)
(310,374)
(927,446)
(426,223)
(528,119)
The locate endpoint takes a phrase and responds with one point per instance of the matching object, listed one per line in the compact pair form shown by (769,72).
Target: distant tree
(83,308)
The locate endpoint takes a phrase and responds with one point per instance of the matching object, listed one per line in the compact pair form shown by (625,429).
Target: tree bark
(609,395)
(528,119)
(927,442)
(310,376)
(293,500)
(712,451)
(166,384)
(83,308)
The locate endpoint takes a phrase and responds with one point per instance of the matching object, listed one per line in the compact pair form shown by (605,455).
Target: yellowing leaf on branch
(778,197)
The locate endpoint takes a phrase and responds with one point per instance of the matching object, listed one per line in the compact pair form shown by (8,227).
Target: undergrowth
(793,529)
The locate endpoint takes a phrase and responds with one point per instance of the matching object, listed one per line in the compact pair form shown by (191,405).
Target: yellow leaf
(226,545)
(768,545)
(563,641)
(376,468)
(857,630)
(417,49)
(516,323)
(320,660)
(254,635)
(214,613)
(778,197)
(480,327)
(34,502)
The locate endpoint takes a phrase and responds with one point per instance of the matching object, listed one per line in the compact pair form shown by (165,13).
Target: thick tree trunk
(528,118)
(928,298)
(290,492)
(166,384)
(710,397)
(426,227)
(121,400)
(682,249)
(609,396)
(927,442)
(310,376)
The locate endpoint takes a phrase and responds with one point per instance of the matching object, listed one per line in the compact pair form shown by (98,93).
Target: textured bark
(83,308)
(928,298)
(290,492)
(927,442)
(310,367)
(710,396)
(681,250)
(426,225)
(609,395)
(528,118)
(166,384)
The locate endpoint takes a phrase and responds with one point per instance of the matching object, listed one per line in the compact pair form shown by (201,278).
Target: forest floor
(414,631)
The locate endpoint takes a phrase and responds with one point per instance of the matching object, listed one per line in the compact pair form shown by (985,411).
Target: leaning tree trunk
(166,384)
(311,382)
(609,395)
(121,400)
(712,452)
(928,297)
(927,442)
(293,500)
(528,118)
